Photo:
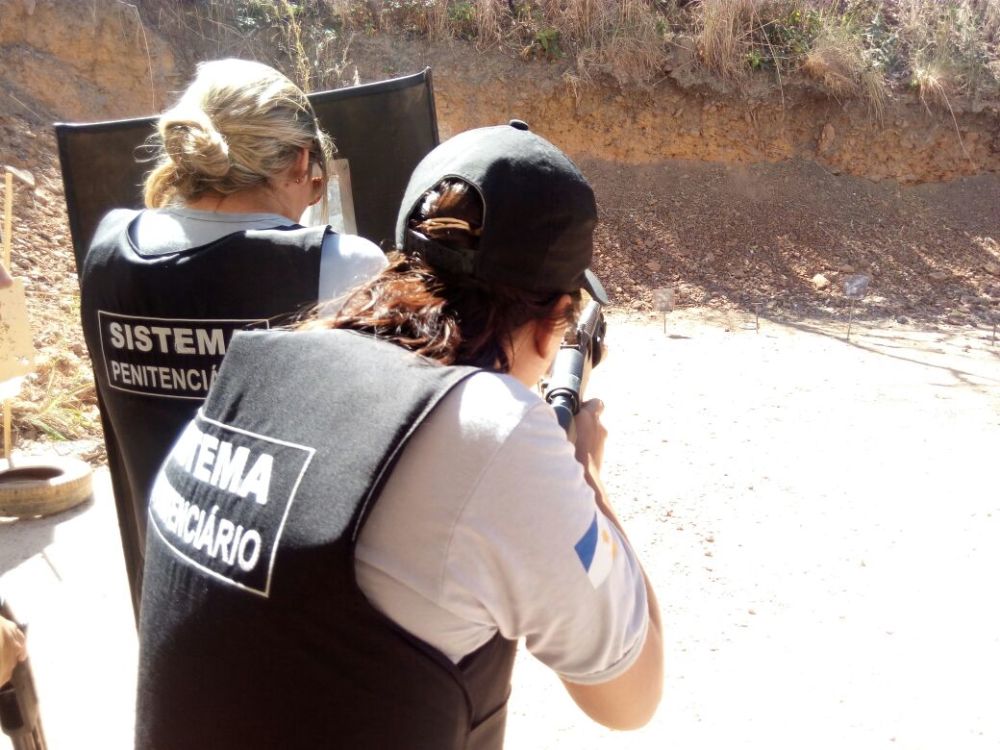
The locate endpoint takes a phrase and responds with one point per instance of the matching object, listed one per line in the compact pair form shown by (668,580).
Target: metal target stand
(664,300)
(855,288)
(757,305)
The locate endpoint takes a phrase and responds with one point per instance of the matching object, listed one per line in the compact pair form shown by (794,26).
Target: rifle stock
(19,716)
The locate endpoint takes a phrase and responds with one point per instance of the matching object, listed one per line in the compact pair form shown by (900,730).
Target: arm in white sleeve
(546,563)
(347,261)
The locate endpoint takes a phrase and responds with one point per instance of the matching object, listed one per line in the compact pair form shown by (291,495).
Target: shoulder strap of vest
(406,391)
(112,225)
(311,235)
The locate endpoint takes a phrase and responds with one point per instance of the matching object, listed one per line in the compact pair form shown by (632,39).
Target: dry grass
(490,20)
(292,35)
(837,63)
(950,48)
(624,40)
(941,49)
(59,402)
(724,37)
(933,83)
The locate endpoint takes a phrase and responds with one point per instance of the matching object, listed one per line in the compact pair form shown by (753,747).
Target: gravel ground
(819,519)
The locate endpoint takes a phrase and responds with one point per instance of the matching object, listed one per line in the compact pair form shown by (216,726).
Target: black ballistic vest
(254,632)
(157,325)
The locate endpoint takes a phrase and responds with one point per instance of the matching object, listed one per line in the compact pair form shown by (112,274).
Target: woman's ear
(318,182)
(300,169)
(549,331)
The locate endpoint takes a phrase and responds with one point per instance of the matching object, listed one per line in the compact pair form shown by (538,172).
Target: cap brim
(594,287)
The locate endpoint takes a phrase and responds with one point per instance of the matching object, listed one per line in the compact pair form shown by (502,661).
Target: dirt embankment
(104,59)
(771,197)
(80,61)
(685,116)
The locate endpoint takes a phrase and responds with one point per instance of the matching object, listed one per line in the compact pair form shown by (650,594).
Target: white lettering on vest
(215,462)
(164,378)
(217,536)
(117,340)
(248,560)
(167,339)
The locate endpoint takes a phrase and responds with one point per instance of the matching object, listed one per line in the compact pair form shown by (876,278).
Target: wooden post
(8,228)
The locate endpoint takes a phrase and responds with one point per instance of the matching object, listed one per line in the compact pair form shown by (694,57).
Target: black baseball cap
(539,211)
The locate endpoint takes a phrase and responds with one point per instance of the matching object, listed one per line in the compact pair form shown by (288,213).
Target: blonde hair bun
(237,126)
(192,143)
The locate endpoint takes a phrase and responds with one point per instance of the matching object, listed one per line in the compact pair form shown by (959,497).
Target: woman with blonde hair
(218,248)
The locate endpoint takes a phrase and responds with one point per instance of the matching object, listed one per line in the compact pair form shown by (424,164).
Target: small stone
(902,320)
(820,282)
(938,275)
(991,268)
(653,265)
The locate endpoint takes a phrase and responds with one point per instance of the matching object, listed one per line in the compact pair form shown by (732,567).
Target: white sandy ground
(821,520)
(64,575)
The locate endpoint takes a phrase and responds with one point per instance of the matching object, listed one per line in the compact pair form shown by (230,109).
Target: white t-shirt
(487,523)
(346,260)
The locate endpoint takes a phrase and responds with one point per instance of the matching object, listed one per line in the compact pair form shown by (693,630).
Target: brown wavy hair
(450,318)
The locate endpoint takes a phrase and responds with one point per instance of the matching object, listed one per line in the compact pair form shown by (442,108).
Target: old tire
(42,487)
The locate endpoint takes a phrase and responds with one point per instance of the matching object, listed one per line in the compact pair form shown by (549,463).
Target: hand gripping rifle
(19,717)
(582,350)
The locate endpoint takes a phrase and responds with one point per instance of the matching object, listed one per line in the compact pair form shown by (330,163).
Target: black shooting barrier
(382,129)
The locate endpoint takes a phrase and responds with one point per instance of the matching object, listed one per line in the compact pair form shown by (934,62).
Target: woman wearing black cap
(370,511)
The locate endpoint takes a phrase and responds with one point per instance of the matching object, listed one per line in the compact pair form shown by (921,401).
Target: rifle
(19,717)
(581,350)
